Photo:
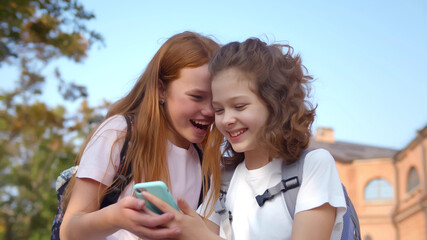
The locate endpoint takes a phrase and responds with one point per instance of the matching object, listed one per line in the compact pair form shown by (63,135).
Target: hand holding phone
(157,188)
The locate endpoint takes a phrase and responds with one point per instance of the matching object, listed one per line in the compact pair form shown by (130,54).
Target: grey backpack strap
(289,185)
(283,186)
(290,172)
(220,208)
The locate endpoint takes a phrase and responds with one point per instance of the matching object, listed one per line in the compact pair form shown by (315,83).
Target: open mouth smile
(200,124)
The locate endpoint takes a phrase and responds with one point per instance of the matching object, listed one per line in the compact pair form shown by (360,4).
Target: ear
(162,89)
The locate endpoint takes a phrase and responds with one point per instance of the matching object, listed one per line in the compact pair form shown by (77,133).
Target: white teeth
(236,133)
(202,123)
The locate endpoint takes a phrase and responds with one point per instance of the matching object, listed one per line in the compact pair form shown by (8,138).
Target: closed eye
(240,107)
(218,111)
(197,97)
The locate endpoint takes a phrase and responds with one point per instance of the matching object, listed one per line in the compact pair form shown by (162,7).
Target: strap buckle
(220,204)
(282,186)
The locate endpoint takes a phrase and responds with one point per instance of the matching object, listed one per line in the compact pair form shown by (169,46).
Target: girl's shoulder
(115,123)
(318,158)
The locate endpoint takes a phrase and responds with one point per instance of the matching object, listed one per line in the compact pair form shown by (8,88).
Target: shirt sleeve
(101,157)
(321,183)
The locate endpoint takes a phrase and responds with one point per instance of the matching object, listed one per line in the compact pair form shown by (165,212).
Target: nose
(228,118)
(208,110)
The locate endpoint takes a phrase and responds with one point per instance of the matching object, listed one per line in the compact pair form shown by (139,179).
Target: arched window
(413,179)
(378,189)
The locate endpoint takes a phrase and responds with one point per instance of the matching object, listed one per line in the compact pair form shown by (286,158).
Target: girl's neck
(177,140)
(256,159)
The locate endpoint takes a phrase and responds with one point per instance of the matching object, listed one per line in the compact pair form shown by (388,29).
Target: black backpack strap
(118,186)
(200,154)
(114,191)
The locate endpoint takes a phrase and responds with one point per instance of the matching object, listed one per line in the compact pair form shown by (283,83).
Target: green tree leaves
(37,140)
(48,28)
(35,32)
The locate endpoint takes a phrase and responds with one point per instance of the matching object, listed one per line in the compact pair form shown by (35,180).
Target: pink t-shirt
(97,164)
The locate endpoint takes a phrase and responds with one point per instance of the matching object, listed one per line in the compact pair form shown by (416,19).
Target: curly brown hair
(282,83)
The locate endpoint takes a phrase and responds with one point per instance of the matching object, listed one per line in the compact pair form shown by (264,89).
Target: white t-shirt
(184,165)
(321,184)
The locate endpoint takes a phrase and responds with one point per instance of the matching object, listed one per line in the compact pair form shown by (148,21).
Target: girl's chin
(198,138)
(238,148)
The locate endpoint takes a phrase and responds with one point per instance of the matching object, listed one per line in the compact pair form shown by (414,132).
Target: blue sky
(368,58)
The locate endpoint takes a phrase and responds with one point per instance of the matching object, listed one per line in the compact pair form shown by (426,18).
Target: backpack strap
(289,185)
(220,208)
(200,154)
(63,179)
(290,172)
(350,231)
(118,186)
(351,227)
(114,191)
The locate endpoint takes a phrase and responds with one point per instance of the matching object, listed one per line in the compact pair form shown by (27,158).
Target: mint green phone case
(157,188)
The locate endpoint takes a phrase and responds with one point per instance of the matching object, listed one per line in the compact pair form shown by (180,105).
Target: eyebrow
(196,90)
(235,98)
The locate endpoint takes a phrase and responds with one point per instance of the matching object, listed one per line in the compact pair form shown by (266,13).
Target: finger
(159,233)
(153,221)
(149,212)
(133,203)
(159,203)
(185,208)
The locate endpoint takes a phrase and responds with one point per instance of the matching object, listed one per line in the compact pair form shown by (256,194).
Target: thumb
(185,208)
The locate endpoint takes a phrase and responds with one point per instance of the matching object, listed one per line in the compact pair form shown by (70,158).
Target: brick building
(387,186)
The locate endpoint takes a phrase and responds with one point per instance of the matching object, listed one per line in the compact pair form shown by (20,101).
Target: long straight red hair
(147,152)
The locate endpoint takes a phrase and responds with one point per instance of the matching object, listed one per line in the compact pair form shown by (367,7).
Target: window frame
(379,186)
(412,180)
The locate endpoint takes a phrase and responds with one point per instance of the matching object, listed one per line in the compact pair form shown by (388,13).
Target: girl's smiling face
(239,113)
(188,106)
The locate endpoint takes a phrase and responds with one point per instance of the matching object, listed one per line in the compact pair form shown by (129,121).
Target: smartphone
(157,188)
